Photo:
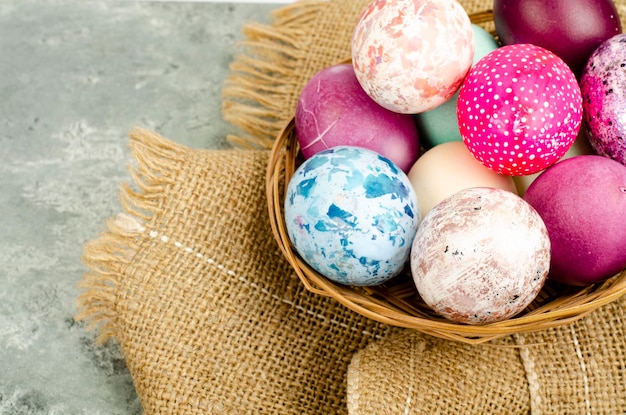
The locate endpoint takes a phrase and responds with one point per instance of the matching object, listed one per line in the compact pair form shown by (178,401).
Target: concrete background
(75,77)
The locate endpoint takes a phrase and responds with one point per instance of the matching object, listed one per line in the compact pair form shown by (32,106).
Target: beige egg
(449,168)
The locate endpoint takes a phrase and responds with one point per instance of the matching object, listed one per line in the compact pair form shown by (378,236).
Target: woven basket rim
(372,303)
(386,304)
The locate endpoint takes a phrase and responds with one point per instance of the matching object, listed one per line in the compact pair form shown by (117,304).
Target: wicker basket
(397,302)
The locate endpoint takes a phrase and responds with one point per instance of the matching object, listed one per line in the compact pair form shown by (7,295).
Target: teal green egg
(439,125)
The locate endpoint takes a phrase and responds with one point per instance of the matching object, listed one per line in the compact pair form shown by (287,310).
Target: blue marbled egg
(352,215)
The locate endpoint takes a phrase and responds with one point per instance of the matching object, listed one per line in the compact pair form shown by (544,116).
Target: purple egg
(572,29)
(334,110)
(582,201)
(603,87)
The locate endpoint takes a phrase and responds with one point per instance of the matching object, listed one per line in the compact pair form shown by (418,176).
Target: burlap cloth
(212,320)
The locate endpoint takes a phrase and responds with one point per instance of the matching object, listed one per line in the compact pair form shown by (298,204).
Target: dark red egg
(572,29)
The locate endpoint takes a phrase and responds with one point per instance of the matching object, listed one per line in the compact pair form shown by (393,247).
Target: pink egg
(411,56)
(520,109)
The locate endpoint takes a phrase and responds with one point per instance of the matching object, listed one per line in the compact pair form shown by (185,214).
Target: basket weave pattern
(397,302)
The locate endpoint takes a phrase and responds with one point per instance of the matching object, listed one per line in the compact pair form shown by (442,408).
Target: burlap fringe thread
(263,85)
(107,257)
(208,314)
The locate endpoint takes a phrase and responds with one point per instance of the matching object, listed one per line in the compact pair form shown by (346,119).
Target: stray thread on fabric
(189,250)
(583,368)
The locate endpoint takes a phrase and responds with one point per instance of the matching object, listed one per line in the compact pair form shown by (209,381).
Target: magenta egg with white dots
(519,109)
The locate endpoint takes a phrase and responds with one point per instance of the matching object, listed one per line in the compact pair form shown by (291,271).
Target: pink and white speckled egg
(519,109)
(480,256)
(411,56)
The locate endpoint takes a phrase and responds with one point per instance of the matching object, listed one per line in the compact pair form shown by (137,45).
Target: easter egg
(572,29)
(440,125)
(520,109)
(480,256)
(411,56)
(351,214)
(582,201)
(333,110)
(449,168)
(603,87)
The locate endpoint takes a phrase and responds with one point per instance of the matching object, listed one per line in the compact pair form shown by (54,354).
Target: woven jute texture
(575,369)
(208,314)
(569,370)
(211,319)
(411,373)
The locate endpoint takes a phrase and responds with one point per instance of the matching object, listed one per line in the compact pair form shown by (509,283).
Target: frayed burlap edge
(107,257)
(262,83)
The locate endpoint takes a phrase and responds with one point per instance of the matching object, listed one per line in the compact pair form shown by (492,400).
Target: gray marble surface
(75,77)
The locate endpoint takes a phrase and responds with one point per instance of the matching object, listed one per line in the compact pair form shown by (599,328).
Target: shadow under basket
(397,301)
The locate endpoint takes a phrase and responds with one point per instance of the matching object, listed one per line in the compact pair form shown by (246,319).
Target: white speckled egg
(352,215)
(480,256)
(411,56)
